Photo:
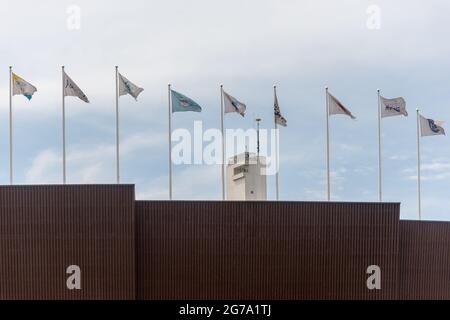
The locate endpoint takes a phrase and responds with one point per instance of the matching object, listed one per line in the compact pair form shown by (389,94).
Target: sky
(352,46)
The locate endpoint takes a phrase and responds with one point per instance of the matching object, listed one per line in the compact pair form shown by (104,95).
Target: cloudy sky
(248,45)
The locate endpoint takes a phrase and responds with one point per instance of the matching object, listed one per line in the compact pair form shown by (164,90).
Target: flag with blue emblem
(181,103)
(233,105)
(429,127)
(21,87)
(393,107)
(127,87)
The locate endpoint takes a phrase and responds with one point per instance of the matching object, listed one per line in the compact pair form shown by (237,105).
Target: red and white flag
(336,107)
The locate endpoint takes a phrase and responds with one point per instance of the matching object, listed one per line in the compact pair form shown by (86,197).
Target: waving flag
(21,87)
(233,105)
(127,87)
(279,119)
(429,127)
(336,107)
(393,107)
(181,103)
(72,90)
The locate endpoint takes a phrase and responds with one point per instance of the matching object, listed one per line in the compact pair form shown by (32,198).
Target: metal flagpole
(380,195)
(277,188)
(328,145)
(418,167)
(117,127)
(10,128)
(63,127)
(258,120)
(223,141)
(170,140)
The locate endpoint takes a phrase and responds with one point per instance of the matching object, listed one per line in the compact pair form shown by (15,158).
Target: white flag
(393,107)
(127,87)
(336,107)
(22,87)
(279,119)
(233,105)
(429,127)
(72,90)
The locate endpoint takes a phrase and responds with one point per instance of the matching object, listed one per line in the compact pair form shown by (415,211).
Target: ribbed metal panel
(265,250)
(44,229)
(424,260)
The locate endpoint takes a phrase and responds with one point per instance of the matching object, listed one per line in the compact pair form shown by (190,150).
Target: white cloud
(348,148)
(431,177)
(436,166)
(399,157)
(191,183)
(88,165)
(157,189)
(43,170)
(433,171)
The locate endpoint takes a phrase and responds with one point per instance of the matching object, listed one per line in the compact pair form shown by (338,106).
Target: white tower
(245,178)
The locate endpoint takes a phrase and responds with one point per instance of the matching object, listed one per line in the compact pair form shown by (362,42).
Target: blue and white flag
(429,127)
(181,103)
(233,105)
(21,87)
(393,107)
(127,87)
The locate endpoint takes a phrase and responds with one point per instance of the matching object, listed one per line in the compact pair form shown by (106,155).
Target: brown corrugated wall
(424,261)
(44,229)
(265,250)
(212,250)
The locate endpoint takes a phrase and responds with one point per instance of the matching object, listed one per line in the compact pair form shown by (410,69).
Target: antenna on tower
(258,120)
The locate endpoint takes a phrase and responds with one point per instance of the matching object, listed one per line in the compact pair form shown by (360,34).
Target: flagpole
(328,145)
(258,121)
(10,128)
(380,195)
(63,128)
(418,167)
(277,187)
(223,141)
(170,140)
(117,127)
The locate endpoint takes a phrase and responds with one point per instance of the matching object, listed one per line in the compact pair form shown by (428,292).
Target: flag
(72,90)
(336,107)
(181,103)
(233,105)
(279,119)
(429,127)
(22,87)
(127,87)
(393,107)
